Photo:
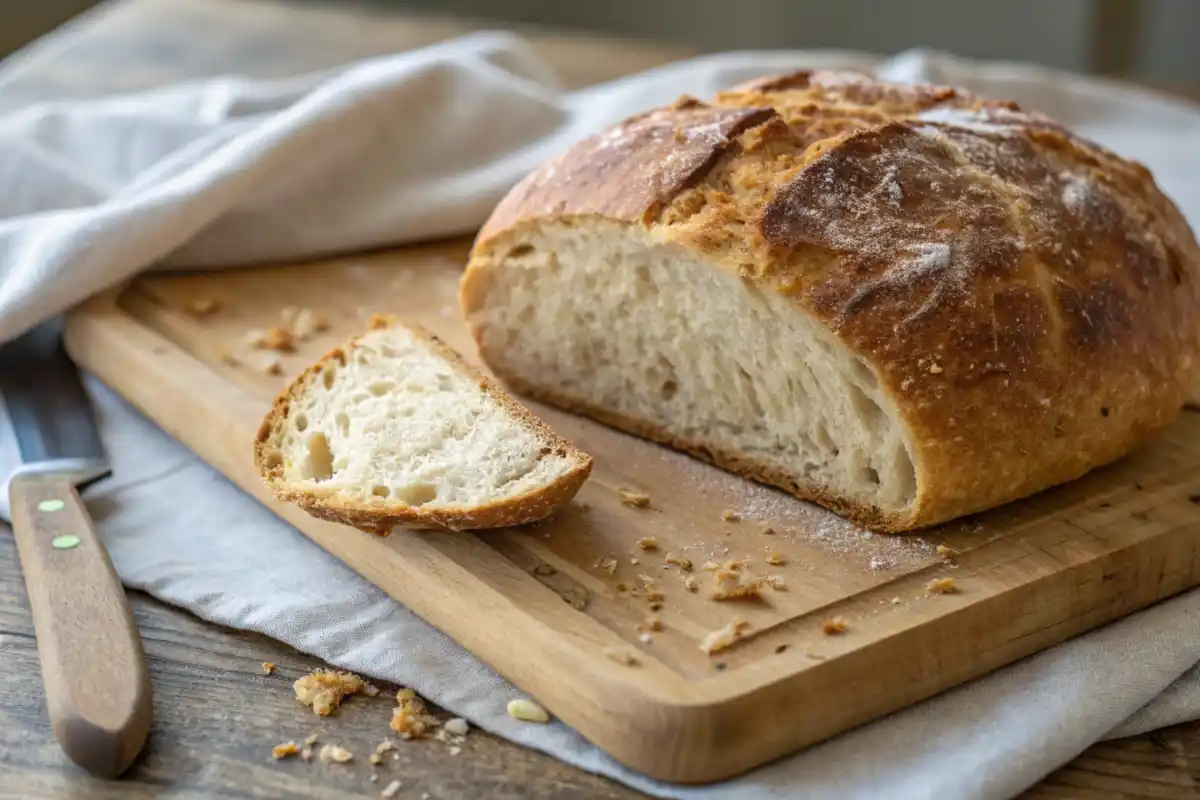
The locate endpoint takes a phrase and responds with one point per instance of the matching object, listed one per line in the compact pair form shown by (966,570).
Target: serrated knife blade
(93,666)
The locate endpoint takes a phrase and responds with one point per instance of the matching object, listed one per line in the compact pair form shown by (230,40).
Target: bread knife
(92,663)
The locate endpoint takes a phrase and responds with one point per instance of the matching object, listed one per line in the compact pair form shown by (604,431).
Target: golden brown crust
(531,507)
(1027,298)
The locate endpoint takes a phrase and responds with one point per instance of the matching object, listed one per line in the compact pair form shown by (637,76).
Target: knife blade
(93,665)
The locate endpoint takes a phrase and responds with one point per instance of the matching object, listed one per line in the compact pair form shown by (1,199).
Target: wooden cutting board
(549,606)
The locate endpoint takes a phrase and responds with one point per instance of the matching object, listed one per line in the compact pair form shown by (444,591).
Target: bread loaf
(905,303)
(395,430)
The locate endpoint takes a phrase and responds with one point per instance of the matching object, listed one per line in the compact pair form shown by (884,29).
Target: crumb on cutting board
(775,558)
(633,498)
(736,585)
(323,690)
(941,586)
(621,656)
(832,627)
(724,637)
(648,542)
(729,515)
(203,306)
(335,753)
(684,564)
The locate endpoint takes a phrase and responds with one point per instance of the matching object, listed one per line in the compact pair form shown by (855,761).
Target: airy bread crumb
(736,585)
(832,627)
(308,323)
(335,753)
(608,564)
(729,515)
(391,789)
(268,667)
(648,542)
(941,586)
(775,558)
(725,637)
(409,718)
(323,690)
(776,582)
(634,498)
(690,583)
(284,750)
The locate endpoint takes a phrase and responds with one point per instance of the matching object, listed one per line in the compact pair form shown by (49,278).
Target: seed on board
(527,711)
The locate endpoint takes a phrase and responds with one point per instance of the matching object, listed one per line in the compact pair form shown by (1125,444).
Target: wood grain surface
(1025,576)
(216,717)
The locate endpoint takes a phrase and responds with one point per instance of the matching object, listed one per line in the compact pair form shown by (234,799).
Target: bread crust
(379,518)
(1026,298)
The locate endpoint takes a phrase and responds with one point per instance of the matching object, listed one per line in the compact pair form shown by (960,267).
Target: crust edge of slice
(530,507)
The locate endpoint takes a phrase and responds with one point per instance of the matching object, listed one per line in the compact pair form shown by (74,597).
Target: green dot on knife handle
(51,505)
(65,542)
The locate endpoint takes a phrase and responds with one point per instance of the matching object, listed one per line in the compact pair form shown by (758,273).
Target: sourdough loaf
(394,429)
(905,303)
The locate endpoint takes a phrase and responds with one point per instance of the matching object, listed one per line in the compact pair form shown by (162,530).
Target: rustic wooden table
(216,715)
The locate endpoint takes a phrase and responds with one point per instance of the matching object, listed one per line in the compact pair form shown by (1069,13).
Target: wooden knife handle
(93,667)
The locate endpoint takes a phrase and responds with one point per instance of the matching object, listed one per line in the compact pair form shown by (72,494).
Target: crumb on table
(832,627)
(335,753)
(284,750)
(648,542)
(323,690)
(410,719)
(268,667)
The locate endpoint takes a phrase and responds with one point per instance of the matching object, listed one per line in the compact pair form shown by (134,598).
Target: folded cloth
(227,171)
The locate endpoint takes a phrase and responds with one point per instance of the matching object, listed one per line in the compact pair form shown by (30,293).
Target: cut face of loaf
(395,430)
(902,302)
(663,344)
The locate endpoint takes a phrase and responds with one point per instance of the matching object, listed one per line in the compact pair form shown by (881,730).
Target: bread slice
(903,302)
(394,429)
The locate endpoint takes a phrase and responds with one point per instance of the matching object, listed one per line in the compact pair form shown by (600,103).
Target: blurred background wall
(1152,40)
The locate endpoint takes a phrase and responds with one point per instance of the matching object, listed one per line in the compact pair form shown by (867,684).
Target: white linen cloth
(227,171)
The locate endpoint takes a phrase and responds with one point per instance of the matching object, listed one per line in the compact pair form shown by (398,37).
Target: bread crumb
(306,754)
(391,789)
(271,365)
(229,359)
(776,582)
(311,738)
(895,601)
(736,585)
(621,656)
(725,637)
(645,638)
(323,690)
(946,552)
(648,542)
(608,564)
(375,758)
(775,559)
(385,746)
(729,515)
(374,777)
(456,726)
(684,564)
(306,323)
(527,711)
(268,667)
(832,627)
(409,717)
(941,586)
(689,583)
(768,530)
(935,369)
(284,750)
(203,306)
(710,566)
(634,498)
(652,624)
(332,752)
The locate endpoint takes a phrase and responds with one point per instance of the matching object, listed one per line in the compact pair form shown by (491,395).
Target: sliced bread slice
(395,429)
